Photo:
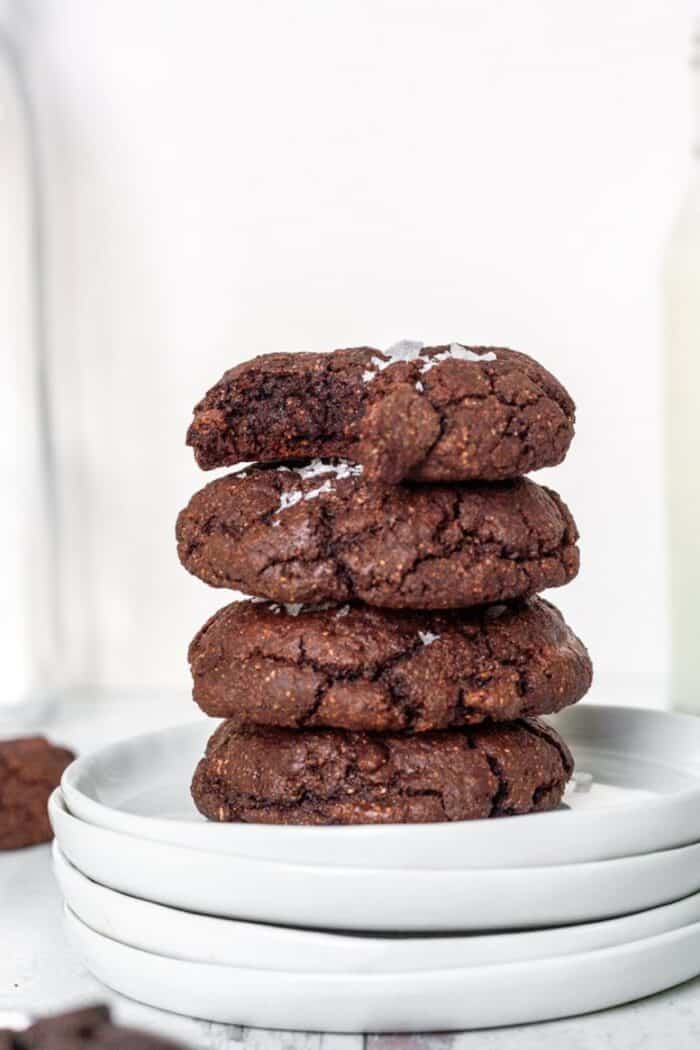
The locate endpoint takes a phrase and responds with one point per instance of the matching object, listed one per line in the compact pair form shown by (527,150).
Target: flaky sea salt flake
(327,486)
(317,467)
(457,352)
(404,350)
(582,781)
(288,499)
(312,469)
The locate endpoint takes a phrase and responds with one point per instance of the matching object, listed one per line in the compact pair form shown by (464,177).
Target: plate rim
(649,856)
(351,898)
(543,991)
(621,929)
(89,808)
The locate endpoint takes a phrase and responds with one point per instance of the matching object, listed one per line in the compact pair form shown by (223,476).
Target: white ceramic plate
(470,997)
(201,938)
(645,797)
(331,897)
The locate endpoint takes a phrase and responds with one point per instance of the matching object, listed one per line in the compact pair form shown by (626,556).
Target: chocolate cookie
(437,413)
(322,533)
(330,776)
(87,1029)
(358,668)
(30,769)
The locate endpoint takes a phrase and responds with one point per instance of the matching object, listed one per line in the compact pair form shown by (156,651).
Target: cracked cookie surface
(30,769)
(440,413)
(330,776)
(358,668)
(322,533)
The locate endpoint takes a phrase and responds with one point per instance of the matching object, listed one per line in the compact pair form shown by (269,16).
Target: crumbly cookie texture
(87,1029)
(30,769)
(330,776)
(322,533)
(437,413)
(360,668)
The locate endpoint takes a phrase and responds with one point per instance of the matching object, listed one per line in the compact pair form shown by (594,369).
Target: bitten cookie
(329,776)
(30,769)
(357,668)
(87,1029)
(438,413)
(321,533)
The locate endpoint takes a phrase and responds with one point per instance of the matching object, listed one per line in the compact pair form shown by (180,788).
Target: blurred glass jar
(683,428)
(29,607)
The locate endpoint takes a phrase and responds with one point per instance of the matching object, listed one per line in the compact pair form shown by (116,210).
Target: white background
(225,179)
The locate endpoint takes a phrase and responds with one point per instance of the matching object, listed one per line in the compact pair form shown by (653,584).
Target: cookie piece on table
(30,769)
(322,533)
(378,670)
(87,1029)
(437,413)
(330,776)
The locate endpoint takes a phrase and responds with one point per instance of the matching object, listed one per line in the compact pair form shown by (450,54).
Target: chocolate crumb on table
(89,1028)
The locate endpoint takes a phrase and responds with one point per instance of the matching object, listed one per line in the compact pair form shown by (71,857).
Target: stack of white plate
(389,928)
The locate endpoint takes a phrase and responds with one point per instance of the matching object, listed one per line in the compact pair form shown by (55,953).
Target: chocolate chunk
(89,1028)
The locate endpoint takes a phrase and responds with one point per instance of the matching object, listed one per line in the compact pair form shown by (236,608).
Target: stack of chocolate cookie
(395,657)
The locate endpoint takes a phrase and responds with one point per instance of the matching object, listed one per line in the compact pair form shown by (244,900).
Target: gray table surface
(40,973)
